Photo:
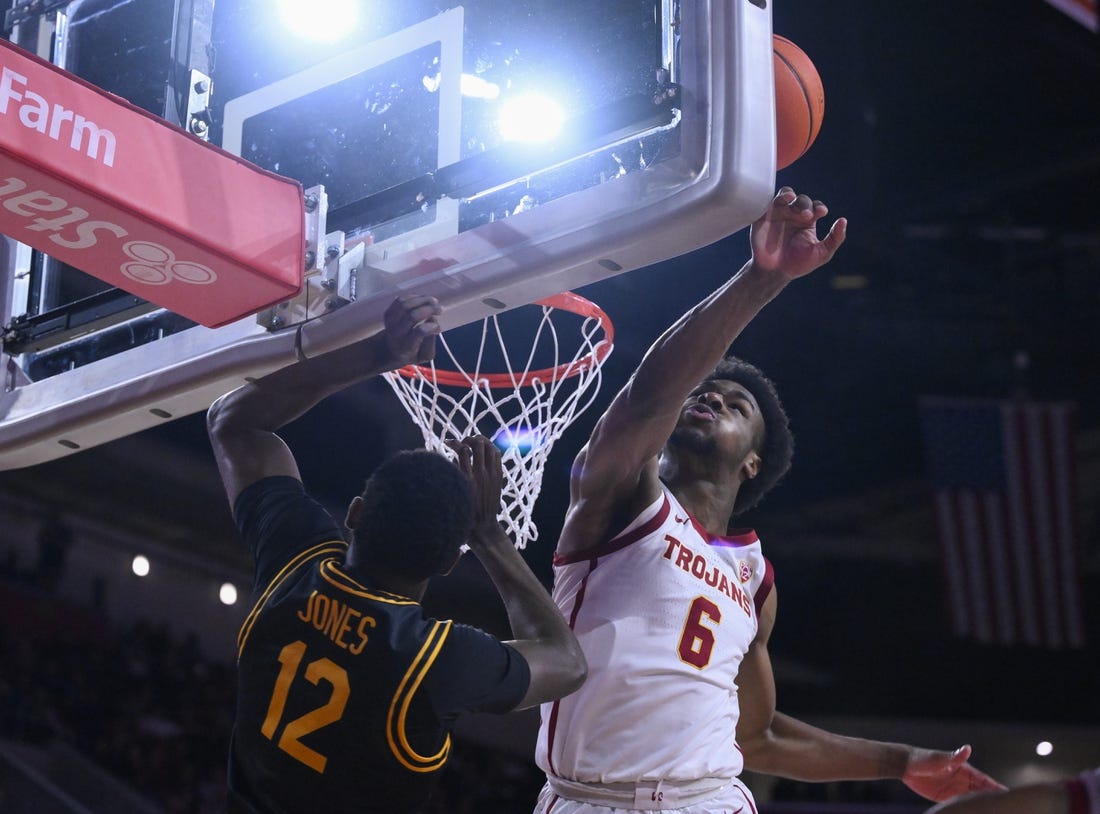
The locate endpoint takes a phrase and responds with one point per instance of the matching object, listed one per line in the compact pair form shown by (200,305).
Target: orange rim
(566,301)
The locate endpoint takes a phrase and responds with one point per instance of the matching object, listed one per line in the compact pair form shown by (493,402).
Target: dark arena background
(961,141)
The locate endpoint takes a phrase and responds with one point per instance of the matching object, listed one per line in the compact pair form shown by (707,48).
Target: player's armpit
(245,454)
(603,501)
(756,694)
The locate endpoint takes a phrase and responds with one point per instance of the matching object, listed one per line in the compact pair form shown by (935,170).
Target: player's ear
(750,467)
(355,508)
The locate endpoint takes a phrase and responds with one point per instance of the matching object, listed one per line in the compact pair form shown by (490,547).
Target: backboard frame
(721,180)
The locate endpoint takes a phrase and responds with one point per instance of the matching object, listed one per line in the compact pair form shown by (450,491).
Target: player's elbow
(760,752)
(557,670)
(570,667)
(228,415)
(219,417)
(576,669)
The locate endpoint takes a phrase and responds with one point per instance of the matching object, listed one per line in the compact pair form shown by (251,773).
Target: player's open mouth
(700,411)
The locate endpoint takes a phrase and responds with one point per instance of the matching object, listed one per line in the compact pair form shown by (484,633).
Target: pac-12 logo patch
(744,571)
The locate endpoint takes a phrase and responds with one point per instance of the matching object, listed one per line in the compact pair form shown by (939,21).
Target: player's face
(720,416)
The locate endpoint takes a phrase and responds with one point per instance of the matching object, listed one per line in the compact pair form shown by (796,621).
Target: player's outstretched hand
(479,458)
(784,239)
(411,326)
(940,776)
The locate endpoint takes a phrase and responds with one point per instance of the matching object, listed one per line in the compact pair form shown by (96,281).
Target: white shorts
(733,798)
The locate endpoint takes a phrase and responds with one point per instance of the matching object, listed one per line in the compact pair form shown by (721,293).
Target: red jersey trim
(552,726)
(765,588)
(739,539)
(747,800)
(621,541)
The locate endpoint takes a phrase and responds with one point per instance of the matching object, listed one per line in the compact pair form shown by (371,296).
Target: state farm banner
(121,194)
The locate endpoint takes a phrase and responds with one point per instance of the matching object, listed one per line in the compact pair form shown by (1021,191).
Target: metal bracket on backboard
(25,10)
(332,273)
(198,105)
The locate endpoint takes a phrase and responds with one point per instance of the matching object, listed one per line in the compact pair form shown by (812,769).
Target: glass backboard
(490,153)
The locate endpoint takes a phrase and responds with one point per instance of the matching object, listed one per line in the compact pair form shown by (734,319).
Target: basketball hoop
(524,410)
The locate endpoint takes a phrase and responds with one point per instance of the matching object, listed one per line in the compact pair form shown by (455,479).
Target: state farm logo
(153,264)
(72,231)
(53,120)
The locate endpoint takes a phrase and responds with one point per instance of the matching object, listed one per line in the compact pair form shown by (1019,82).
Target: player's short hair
(776,448)
(417,511)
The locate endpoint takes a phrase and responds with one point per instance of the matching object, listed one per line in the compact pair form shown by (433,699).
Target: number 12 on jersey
(331,711)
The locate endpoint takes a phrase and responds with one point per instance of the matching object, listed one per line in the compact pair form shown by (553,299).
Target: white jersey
(665,612)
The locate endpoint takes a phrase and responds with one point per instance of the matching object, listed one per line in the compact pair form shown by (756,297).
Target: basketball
(799,101)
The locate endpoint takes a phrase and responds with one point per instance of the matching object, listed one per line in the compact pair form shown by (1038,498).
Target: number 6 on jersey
(697,640)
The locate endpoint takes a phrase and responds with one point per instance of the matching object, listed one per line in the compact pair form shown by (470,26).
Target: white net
(524,409)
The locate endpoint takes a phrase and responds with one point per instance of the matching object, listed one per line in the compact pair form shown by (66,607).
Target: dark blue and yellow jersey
(346,693)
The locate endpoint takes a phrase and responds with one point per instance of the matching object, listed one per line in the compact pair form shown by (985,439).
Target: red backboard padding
(119,193)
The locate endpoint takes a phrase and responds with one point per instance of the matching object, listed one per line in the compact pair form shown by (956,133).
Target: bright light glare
(522,441)
(140,565)
(228,593)
(319,20)
(1044,748)
(530,118)
(478,88)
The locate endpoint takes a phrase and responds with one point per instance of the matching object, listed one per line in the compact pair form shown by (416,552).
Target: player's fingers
(409,310)
(492,455)
(462,454)
(426,351)
(428,328)
(784,196)
(458,447)
(424,318)
(802,205)
(837,235)
(477,451)
(412,301)
(961,755)
(396,318)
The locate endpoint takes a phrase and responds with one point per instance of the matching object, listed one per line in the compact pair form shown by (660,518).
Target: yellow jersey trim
(330,547)
(402,699)
(331,573)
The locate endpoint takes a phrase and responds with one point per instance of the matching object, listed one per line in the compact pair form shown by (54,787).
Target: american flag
(1002,474)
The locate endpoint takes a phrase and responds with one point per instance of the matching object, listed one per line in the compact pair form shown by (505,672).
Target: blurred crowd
(148,709)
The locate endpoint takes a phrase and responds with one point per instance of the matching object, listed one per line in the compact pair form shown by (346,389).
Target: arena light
(522,441)
(530,118)
(1044,748)
(469,85)
(477,88)
(140,565)
(319,20)
(228,593)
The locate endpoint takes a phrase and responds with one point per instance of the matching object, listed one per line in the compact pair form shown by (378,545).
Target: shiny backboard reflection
(664,143)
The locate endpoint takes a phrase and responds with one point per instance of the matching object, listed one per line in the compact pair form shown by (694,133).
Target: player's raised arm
(557,664)
(242,423)
(617,469)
